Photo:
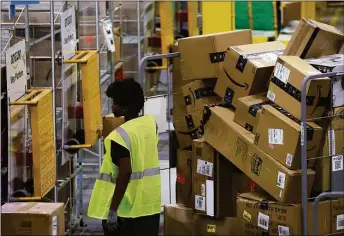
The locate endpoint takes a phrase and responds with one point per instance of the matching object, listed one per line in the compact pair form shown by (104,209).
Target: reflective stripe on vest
(134,175)
(125,136)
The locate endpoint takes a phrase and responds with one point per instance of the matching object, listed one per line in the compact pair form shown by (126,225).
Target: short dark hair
(127,93)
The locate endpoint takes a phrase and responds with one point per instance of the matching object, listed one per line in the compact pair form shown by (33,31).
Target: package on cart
(179,108)
(285,87)
(236,144)
(246,112)
(337,215)
(332,63)
(333,144)
(201,57)
(291,12)
(32,218)
(279,135)
(247,70)
(216,181)
(258,215)
(199,93)
(177,80)
(184,178)
(110,123)
(179,220)
(313,39)
(222,226)
(188,128)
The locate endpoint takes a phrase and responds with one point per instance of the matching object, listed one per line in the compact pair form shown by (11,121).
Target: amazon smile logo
(244,85)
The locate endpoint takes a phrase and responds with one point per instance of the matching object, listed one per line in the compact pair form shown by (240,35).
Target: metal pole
(332,195)
(304,146)
(53,86)
(138,12)
(148,58)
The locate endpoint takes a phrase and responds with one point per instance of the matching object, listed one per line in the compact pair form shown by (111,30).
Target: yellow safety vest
(143,194)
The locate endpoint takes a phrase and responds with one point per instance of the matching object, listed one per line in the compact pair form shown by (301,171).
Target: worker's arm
(121,158)
(122,182)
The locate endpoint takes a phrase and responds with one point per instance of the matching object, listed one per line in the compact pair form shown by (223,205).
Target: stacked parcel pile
(237,117)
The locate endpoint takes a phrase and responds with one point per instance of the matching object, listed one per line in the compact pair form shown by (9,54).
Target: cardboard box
(332,63)
(246,111)
(177,80)
(179,109)
(110,123)
(285,87)
(246,70)
(188,128)
(214,181)
(199,93)
(184,178)
(337,215)
(332,144)
(32,218)
(290,12)
(221,226)
(118,44)
(279,135)
(259,216)
(201,57)
(309,39)
(236,144)
(179,220)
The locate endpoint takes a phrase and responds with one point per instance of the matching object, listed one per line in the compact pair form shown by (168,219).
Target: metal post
(304,145)
(148,58)
(138,12)
(53,85)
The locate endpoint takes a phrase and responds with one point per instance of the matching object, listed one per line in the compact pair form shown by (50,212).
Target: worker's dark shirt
(118,152)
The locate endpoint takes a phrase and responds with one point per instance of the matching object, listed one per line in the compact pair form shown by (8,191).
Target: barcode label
(280,179)
(276,136)
(289,160)
(199,203)
(281,72)
(54,226)
(337,163)
(340,222)
(203,190)
(283,230)
(271,95)
(332,142)
(263,221)
(269,57)
(204,168)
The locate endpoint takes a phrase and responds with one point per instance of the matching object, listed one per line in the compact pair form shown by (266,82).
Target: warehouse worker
(127,192)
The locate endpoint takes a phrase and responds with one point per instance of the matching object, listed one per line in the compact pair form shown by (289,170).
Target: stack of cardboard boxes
(237,111)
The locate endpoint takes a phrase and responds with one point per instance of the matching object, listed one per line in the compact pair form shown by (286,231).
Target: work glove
(111,222)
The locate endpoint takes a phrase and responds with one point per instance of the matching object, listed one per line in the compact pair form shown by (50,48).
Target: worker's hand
(111,222)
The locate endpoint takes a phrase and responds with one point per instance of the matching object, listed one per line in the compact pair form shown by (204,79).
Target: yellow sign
(90,93)
(247,216)
(43,145)
(211,228)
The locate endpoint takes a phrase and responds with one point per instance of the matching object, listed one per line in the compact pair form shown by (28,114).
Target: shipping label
(275,136)
(211,228)
(281,179)
(283,230)
(332,142)
(263,221)
(337,163)
(203,190)
(289,160)
(281,72)
(204,168)
(199,203)
(340,222)
(54,226)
